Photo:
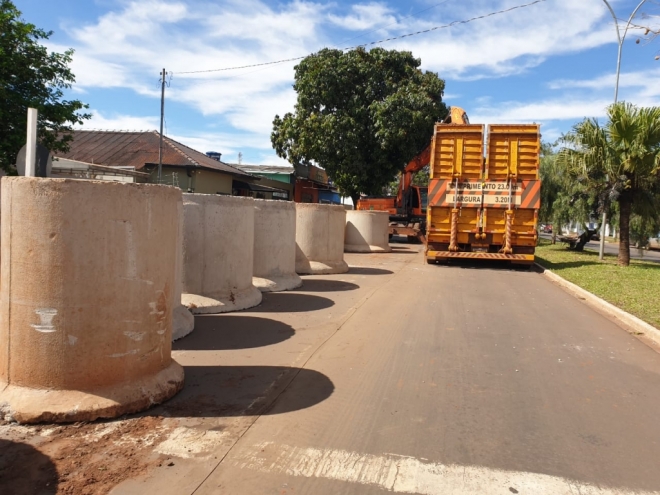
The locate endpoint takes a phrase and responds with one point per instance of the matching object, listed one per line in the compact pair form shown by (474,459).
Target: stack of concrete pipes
(235,248)
(96,281)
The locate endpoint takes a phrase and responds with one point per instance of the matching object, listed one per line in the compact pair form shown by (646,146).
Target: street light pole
(620,39)
(162,118)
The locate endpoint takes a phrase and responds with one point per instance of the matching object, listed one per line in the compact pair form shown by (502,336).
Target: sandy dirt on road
(77,459)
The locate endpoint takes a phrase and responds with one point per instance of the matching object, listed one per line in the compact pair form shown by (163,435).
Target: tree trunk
(355,197)
(625,207)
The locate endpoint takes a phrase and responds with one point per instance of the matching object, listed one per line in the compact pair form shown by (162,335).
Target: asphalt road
(403,377)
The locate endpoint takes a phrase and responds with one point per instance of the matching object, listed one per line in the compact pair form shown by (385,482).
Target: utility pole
(620,39)
(162,118)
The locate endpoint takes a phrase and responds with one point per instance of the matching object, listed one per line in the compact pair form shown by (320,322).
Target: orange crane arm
(414,165)
(456,116)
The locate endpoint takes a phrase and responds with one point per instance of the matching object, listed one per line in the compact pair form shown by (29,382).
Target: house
(304,183)
(314,186)
(182,166)
(280,178)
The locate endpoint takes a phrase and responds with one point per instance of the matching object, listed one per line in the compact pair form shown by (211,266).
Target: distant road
(613,249)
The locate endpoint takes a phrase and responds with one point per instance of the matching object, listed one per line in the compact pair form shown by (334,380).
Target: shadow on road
(363,270)
(291,302)
(225,391)
(228,332)
(23,469)
(486,265)
(320,285)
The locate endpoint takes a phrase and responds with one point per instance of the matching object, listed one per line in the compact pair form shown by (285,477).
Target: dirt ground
(79,458)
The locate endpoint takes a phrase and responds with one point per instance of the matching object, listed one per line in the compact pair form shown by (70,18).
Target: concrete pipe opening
(275,246)
(87,289)
(320,239)
(367,232)
(218,253)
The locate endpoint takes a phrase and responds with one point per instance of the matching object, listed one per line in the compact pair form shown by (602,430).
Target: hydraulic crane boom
(456,116)
(408,209)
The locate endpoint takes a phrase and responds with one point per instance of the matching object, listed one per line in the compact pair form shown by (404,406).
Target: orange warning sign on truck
(497,194)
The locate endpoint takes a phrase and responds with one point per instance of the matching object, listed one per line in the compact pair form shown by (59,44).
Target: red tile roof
(137,149)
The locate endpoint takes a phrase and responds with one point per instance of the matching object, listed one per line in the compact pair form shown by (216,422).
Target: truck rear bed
(484,208)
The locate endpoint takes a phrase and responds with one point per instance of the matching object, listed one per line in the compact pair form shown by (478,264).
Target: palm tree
(635,135)
(621,161)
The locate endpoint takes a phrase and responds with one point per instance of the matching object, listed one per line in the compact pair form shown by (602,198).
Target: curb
(625,320)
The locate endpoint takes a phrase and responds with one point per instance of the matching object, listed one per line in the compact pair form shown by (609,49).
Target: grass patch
(634,289)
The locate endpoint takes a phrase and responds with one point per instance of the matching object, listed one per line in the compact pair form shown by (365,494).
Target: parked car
(595,237)
(547,229)
(654,242)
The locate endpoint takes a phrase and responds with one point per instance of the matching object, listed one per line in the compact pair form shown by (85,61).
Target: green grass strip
(635,289)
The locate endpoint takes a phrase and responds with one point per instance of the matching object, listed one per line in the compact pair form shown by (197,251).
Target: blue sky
(552,63)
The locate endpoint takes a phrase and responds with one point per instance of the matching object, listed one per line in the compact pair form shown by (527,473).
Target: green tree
(563,198)
(32,77)
(422,177)
(361,115)
(619,162)
(551,184)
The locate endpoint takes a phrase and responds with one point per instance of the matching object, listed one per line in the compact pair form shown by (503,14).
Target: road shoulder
(635,326)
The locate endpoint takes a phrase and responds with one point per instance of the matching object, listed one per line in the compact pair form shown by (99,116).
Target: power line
(444,26)
(265,67)
(393,23)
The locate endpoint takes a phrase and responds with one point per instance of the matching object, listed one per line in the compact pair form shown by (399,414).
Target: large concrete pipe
(87,290)
(320,239)
(218,253)
(275,246)
(367,232)
(183,321)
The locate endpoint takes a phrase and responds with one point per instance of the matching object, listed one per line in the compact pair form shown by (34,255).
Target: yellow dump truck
(483,206)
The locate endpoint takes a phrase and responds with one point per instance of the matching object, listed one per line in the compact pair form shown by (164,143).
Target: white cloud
(116,122)
(365,16)
(542,111)
(646,81)
(128,46)
(510,43)
(574,100)
(131,45)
